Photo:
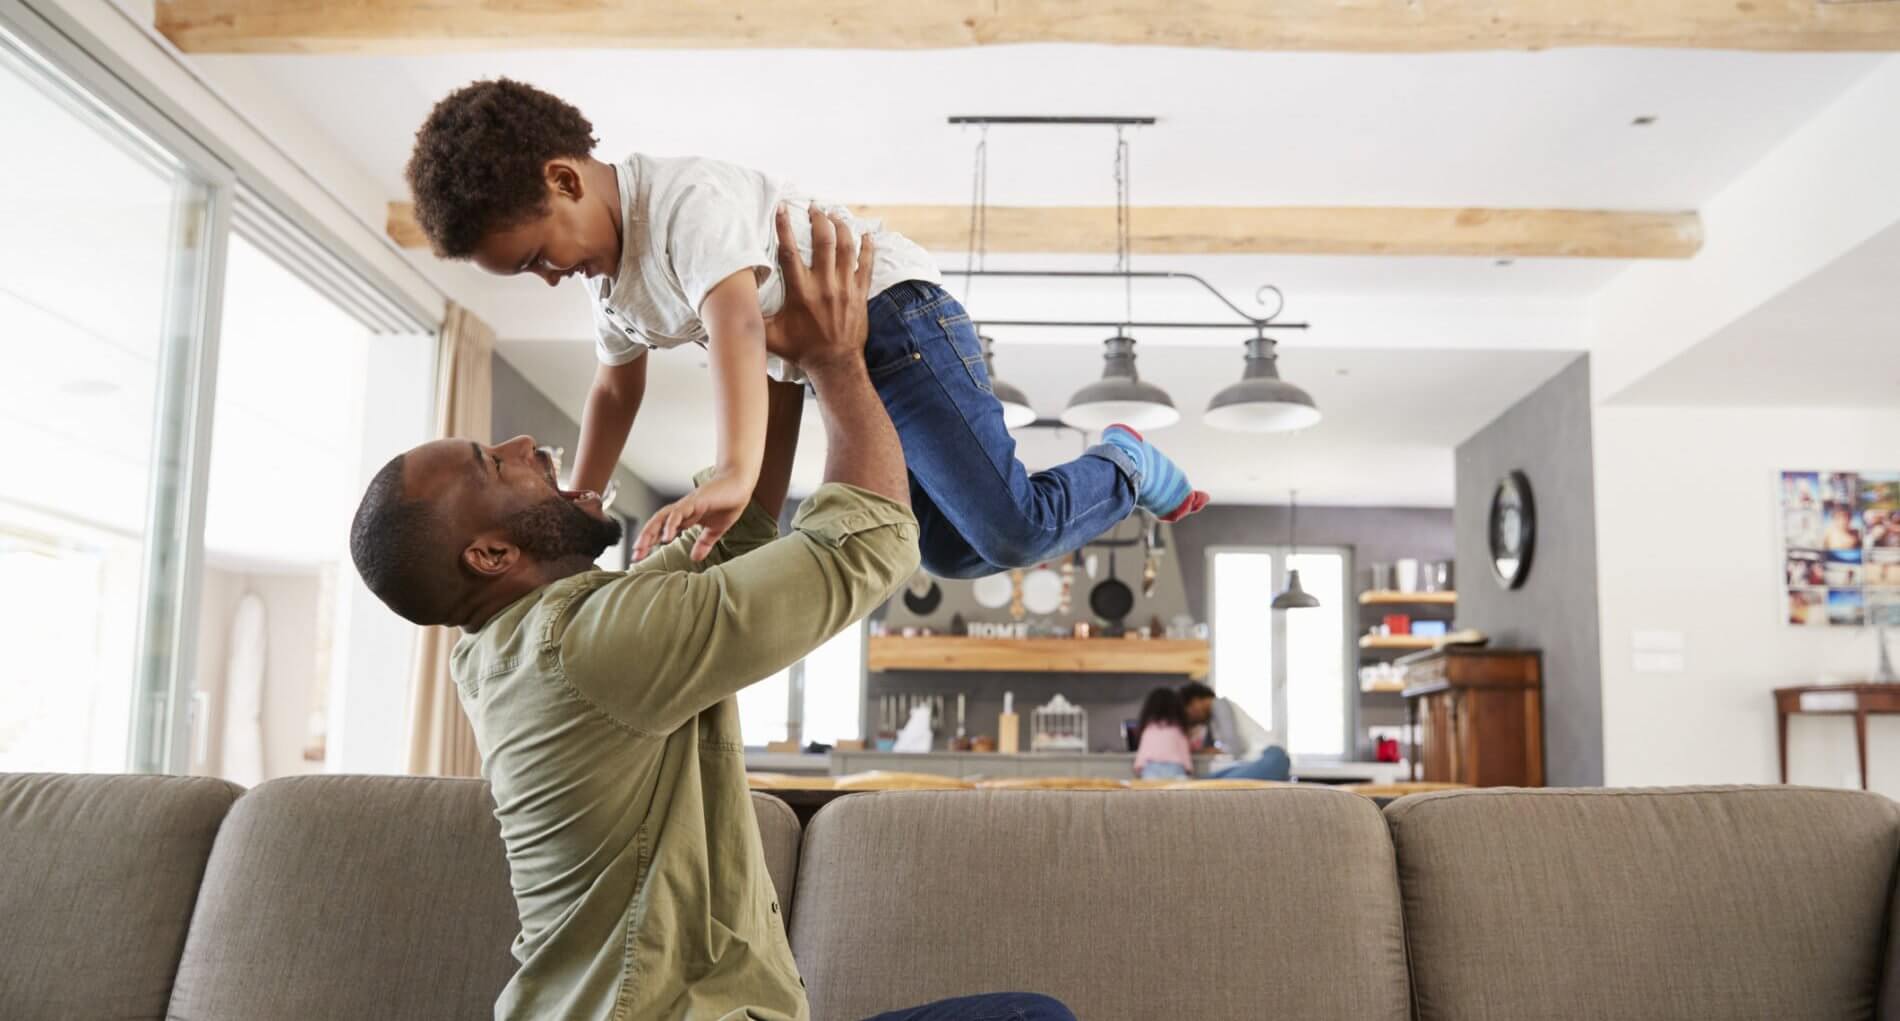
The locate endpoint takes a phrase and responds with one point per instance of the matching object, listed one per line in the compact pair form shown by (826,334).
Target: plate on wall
(993,592)
(1042,591)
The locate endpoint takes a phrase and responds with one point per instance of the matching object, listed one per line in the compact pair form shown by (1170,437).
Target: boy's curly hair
(477,165)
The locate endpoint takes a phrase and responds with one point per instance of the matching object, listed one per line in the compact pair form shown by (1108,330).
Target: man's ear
(564,178)
(491,555)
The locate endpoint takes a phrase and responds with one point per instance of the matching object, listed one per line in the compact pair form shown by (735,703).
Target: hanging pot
(924,603)
(1148,564)
(1111,599)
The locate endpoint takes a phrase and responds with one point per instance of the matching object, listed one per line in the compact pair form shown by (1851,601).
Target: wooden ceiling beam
(1287,230)
(1394,26)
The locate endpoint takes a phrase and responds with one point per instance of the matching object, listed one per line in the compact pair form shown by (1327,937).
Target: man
(1219,723)
(602,701)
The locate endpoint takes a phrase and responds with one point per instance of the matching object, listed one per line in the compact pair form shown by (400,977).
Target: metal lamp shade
(1295,597)
(1120,396)
(1016,410)
(1261,401)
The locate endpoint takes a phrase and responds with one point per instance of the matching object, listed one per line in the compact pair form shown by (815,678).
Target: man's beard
(557,530)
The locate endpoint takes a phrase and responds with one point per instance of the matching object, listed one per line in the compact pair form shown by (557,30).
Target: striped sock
(1164,490)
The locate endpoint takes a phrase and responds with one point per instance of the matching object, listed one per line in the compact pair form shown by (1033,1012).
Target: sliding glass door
(112,240)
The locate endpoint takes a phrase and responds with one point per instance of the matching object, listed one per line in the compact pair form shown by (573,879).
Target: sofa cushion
(779,834)
(1133,904)
(98,875)
(369,896)
(352,897)
(1646,904)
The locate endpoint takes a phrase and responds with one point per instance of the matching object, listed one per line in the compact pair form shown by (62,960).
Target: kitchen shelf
(1383,688)
(1398,642)
(1178,656)
(1384,598)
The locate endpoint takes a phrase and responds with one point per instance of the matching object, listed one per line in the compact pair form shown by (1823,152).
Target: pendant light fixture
(1120,395)
(1295,597)
(1016,410)
(1261,402)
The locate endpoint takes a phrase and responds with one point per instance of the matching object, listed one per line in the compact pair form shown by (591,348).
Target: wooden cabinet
(1479,716)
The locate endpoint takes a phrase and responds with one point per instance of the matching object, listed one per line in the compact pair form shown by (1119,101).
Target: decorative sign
(1841,546)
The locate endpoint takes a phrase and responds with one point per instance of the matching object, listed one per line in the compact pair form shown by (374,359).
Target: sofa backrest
(1734,903)
(355,897)
(98,875)
(1275,903)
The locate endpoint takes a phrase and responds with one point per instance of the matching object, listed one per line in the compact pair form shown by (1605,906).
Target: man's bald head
(453,525)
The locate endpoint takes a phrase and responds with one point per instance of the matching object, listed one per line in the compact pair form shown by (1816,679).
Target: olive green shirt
(603,707)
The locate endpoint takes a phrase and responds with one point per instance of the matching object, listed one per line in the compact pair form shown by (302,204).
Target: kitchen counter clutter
(1184,657)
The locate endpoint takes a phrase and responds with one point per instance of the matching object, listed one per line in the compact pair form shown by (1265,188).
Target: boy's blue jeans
(978,510)
(988,1007)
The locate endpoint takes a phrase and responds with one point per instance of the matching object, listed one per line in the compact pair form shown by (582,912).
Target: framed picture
(1840,537)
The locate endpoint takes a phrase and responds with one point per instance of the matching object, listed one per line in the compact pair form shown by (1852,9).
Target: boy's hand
(714,506)
(824,313)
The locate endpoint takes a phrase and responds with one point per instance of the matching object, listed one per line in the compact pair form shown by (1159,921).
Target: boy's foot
(1163,490)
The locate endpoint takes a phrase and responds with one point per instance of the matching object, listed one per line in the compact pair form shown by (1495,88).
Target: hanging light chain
(1124,247)
(977,256)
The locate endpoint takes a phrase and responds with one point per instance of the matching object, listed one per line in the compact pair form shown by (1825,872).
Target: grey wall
(1546,436)
(522,410)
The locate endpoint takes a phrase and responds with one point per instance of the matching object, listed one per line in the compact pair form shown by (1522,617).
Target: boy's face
(576,234)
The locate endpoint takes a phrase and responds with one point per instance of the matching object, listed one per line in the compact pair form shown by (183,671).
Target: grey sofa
(381,897)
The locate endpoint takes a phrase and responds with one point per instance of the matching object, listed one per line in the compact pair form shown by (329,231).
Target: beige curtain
(440,740)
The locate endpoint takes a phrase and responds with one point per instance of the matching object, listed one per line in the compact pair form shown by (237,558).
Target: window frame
(211,175)
(1348,611)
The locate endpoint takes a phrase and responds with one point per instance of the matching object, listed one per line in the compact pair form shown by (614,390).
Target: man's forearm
(861,447)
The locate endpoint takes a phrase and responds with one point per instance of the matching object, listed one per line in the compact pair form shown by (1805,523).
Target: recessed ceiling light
(1506,262)
(1644,121)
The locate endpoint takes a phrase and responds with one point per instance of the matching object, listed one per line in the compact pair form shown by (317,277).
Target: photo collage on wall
(1841,537)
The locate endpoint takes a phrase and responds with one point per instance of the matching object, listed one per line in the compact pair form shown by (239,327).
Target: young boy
(683,251)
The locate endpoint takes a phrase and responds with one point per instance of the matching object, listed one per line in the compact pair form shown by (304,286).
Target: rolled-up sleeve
(659,646)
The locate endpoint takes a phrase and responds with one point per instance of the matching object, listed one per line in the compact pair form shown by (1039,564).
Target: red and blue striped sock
(1163,489)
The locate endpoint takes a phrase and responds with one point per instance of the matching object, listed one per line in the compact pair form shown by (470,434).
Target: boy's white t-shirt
(688,223)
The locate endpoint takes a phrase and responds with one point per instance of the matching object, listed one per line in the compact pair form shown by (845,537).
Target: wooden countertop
(1187,657)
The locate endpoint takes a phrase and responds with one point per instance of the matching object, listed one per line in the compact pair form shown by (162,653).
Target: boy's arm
(612,404)
(735,330)
(785,409)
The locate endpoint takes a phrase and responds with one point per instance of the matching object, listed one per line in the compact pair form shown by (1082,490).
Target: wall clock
(1513,529)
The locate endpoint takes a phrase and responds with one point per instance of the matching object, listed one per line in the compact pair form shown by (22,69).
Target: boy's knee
(1010,548)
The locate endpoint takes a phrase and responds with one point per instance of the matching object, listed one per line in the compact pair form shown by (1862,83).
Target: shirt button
(775,908)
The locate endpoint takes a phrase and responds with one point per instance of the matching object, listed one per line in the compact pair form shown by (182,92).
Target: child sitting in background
(1163,752)
(683,251)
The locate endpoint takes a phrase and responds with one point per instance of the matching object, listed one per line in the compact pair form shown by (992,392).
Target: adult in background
(1216,723)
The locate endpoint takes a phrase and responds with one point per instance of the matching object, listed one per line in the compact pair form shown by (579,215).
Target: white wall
(1688,542)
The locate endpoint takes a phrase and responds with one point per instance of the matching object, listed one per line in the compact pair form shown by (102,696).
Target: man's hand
(714,507)
(824,314)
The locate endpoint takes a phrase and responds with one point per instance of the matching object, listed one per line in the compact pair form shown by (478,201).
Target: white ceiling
(1434,346)
(1832,340)
(1392,416)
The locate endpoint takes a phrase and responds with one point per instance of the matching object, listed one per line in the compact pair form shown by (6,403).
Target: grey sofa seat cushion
(1126,905)
(352,897)
(369,897)
(1731,903)
(779,833)
(98,875)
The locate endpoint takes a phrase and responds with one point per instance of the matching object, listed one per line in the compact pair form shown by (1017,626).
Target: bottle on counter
(1008,726)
